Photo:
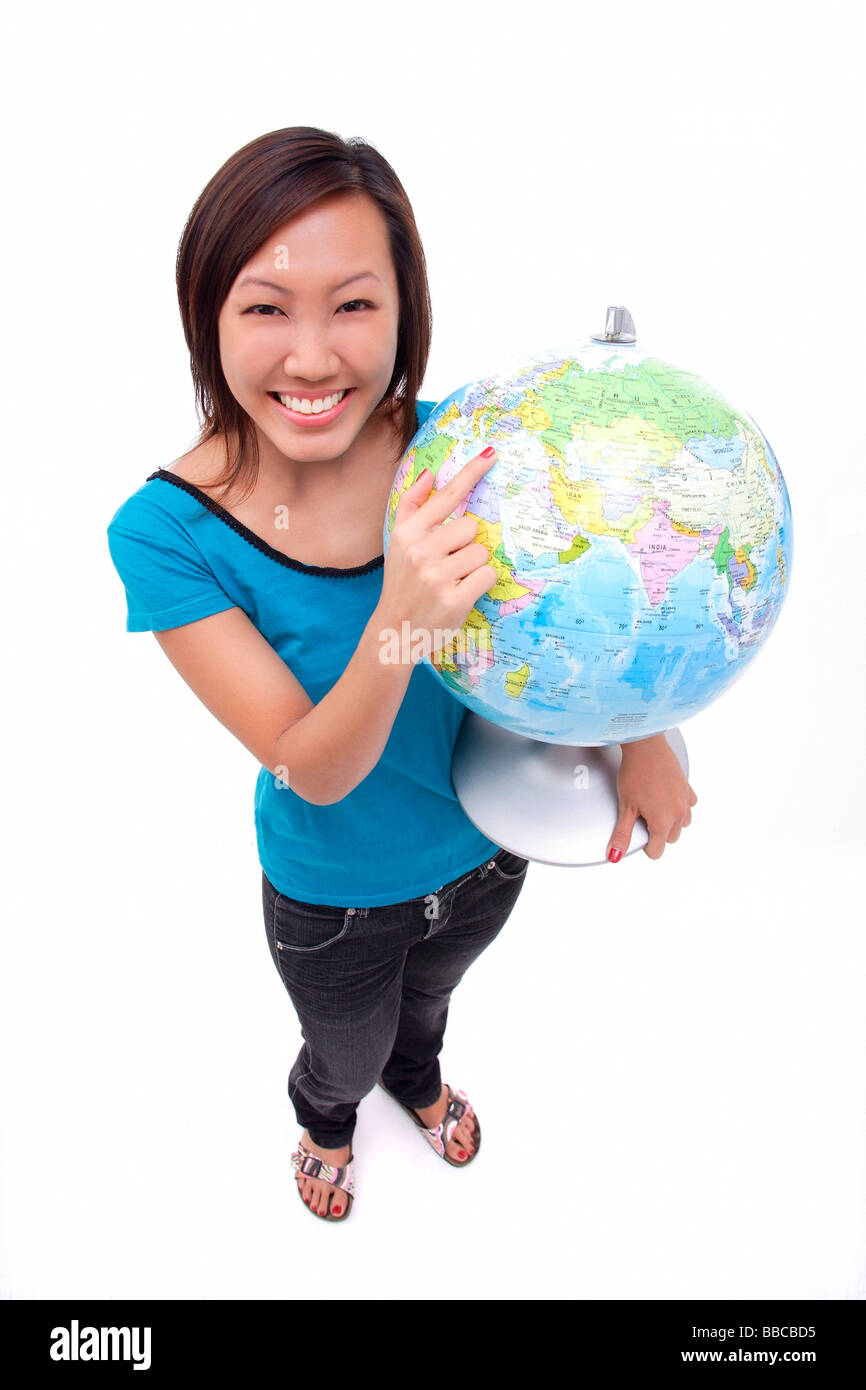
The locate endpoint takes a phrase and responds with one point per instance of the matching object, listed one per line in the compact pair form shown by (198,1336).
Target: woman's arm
(321,751)
(433,575)
(650,783)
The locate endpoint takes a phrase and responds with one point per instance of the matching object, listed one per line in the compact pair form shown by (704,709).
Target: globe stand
(551,802)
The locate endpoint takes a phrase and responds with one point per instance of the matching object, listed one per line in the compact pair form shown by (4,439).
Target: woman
(256,560)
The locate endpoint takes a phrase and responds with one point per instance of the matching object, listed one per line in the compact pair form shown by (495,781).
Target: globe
(640,530)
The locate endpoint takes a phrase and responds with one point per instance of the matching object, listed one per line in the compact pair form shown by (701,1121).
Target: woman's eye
(255,307)
(364,303)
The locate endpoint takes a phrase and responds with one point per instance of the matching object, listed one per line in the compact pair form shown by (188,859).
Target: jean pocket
(308,926)
(507,865)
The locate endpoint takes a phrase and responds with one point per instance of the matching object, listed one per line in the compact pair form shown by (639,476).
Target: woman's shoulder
(154,506)
(201,465)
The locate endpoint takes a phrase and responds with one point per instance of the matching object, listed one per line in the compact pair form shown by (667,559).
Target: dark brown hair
(254,193)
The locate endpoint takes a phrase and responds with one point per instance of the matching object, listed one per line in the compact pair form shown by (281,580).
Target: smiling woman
(338,355)
(377,890)
(224,261)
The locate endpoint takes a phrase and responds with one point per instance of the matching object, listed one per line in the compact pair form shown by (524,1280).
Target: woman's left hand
(650,783)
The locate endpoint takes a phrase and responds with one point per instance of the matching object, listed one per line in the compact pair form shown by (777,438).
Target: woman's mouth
(320,411)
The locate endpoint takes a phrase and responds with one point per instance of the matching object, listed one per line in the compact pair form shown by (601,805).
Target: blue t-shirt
(402,832)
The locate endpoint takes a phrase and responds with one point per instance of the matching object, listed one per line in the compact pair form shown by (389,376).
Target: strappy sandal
(440,1136)
(309,1165)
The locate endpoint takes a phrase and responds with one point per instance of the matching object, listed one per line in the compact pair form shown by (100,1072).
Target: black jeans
(371,987)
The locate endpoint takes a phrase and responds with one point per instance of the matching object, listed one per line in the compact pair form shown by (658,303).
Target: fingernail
(615,855)
(488,452)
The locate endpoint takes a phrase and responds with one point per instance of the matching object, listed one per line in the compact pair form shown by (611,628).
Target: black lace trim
(257,541)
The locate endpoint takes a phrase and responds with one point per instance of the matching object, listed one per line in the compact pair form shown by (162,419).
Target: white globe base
(551,802)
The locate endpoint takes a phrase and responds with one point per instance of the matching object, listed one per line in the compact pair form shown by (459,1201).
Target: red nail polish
(460,1153)
(615,856)
(336,1210)
(488,452)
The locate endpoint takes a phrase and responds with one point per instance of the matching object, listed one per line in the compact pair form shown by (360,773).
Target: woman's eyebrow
(281,289)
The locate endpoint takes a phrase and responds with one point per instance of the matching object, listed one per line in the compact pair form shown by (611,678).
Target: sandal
(309,1165)
(440,1135)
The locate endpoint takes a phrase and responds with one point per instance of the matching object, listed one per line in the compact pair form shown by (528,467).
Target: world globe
(640,530)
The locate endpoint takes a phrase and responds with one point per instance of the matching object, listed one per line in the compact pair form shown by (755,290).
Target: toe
(462,1144)
(334,1203)
(458,1148)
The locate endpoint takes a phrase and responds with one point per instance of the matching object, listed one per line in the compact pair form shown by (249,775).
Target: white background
(667,1057)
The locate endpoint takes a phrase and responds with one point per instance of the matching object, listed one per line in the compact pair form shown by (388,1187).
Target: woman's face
(306,335)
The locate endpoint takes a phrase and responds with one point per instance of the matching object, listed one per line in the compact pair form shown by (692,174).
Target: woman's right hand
(434,574)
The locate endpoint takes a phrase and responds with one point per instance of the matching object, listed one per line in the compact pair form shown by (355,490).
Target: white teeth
(304,407)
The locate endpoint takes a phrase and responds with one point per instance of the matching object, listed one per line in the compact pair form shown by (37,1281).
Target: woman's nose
(310,358)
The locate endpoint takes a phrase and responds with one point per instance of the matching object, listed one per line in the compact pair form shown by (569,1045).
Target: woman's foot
(461,1145)
(318,1194)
